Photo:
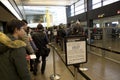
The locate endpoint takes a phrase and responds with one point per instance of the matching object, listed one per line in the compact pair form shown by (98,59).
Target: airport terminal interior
(88,52)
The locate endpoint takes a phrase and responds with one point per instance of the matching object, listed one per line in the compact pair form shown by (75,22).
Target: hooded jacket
(13,64)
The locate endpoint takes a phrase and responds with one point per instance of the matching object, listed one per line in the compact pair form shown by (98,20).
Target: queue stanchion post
(75,73)
(82,68)
(54,76)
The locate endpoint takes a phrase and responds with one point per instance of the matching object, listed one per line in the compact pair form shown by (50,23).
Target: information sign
(75,51)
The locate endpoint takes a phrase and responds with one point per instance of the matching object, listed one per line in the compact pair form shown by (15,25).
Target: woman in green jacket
(13,64)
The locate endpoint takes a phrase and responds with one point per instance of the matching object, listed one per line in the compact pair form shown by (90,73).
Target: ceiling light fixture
(10,7)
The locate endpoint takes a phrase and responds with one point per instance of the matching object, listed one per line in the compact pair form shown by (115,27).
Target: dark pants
(43,64)
(37,56)
(31,64)
(43,61)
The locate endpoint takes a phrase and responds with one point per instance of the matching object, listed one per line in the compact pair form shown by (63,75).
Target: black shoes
(37,61)
(42,72)
(31,69)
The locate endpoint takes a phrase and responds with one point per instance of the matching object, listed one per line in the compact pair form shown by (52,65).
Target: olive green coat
(13,64)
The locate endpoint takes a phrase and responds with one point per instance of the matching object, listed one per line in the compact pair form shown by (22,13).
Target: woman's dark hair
(25,21)
(28,29)
(39,26)
(14,24)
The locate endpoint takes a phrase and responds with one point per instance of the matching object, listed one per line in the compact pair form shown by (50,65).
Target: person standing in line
(26,39)
(13,64)
(29,31)
(33,66)
(41,41)
(29,48)
(77,29)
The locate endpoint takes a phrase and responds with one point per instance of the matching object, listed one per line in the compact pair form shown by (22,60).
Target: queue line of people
(16,45)
(20,42)
(13,64)
(58,33)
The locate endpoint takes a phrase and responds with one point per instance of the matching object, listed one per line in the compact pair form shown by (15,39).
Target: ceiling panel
(48,2)
(35,8)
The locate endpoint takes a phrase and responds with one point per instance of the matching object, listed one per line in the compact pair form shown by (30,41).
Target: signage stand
(76,52)
(82,68)
(75,72)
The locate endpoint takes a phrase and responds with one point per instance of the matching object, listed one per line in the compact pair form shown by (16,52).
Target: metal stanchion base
(83,69)
(55,77)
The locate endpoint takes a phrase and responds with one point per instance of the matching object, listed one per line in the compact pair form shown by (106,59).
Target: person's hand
(27,57)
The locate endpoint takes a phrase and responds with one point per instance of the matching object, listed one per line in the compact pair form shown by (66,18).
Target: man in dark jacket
(41,40)
(13,64)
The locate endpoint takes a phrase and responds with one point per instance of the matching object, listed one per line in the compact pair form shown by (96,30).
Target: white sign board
(76,52)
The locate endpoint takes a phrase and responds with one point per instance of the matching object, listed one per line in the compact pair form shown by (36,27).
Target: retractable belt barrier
(55,76)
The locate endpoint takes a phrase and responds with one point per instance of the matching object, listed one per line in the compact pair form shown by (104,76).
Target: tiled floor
(102,69)
(61,69)
(98,68)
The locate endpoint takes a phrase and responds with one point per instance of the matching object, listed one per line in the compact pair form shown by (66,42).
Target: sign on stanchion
(75,49)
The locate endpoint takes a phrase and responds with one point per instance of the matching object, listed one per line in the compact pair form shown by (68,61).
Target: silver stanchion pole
(54,76)
(75,72)
(83,68)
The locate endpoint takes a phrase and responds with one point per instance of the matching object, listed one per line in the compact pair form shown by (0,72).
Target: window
(80,11)
(95,1)
(79,7)
(97,5)
(81,2)
(72,10)
(106,2)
